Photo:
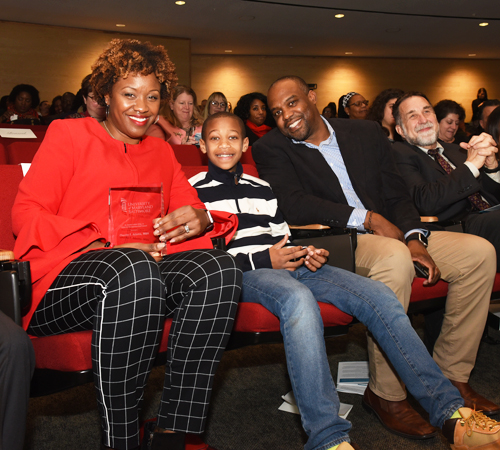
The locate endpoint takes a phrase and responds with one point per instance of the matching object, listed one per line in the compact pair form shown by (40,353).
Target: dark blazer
(308,191)
(434,192)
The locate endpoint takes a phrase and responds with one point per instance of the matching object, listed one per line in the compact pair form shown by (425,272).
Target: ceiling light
(180,3)
(120,24)
(228,51)
(483,24)
(472,54)
(348,53)
(339,16)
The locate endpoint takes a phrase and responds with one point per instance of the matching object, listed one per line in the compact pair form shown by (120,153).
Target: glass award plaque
(131,214)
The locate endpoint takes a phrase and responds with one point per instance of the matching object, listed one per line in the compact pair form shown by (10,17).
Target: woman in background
(23,100)
(450,115)
(355,106)
(252,109)
(381,112)
(182,122)
(217,102)
(92,108)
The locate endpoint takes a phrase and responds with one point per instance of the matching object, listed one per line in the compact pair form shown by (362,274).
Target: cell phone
(421,271)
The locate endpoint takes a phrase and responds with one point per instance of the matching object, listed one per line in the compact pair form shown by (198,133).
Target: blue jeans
(293,297)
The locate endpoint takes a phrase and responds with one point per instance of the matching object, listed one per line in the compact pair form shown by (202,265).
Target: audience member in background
(4,101)
(182,121)
(44,109)
(330,111)
(449,115)
(381,112)
(17,362)
(123,291)
(68,103)
(443,181)
(342,113)
(217,102)
(482,96)
(493,125)
(355,106)
(56,106)
(92,108)
(485,110)
(252,109)
(229,107)
(203,105)
(23,101)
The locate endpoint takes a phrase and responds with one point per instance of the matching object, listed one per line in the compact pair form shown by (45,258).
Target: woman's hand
(181,224)
(5,116)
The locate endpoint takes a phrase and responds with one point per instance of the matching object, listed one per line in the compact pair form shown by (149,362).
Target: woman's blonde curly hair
(129,56)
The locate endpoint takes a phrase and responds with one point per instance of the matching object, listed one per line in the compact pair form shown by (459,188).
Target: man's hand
(316,258)
(382,227)
(172,227)
(288,258)
(481,150)
(419,254)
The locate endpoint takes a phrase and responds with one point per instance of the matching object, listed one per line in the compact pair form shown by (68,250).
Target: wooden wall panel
(457,79)
(56,59)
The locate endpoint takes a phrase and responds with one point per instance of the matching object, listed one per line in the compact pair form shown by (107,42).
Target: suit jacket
(308,191)
(434,192)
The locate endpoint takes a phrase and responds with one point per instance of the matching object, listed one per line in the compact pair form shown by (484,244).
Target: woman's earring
(107,110)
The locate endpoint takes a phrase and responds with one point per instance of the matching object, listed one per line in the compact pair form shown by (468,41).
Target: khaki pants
(468,264)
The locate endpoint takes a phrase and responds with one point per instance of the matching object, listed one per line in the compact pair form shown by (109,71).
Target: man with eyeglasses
(341,173)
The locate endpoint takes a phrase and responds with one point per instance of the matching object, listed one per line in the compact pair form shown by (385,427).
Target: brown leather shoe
(475,401)
(398,417)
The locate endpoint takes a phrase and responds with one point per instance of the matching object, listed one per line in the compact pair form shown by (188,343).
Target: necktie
(475,199)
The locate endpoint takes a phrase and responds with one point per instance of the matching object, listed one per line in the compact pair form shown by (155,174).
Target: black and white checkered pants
(123,295)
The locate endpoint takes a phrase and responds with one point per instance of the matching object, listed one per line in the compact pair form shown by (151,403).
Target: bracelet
(495,170)
(107,244)
(369,227)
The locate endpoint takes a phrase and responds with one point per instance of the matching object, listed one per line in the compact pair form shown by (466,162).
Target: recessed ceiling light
(180,3)
(348,53)
(228,51)
(120,24)
(472,54)
(339,16)
(483,24)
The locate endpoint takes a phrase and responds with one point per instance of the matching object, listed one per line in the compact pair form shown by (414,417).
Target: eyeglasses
(217,104)
(359,103)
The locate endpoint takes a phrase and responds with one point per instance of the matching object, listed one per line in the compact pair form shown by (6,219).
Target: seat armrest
(6,255)
(15,289)
(429,219)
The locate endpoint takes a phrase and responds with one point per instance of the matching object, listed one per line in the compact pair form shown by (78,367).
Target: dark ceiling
(385,28)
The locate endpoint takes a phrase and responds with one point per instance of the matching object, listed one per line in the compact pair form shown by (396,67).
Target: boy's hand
(288,258)
(316,258)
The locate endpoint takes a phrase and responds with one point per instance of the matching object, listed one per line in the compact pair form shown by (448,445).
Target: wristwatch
(418,237)
(210,226)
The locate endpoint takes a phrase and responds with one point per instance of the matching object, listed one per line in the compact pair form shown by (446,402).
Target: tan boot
(473,431)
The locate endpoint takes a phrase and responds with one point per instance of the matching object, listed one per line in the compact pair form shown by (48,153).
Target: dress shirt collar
(438,146)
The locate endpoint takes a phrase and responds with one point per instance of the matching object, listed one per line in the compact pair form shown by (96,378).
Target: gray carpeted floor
(244,412)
